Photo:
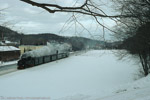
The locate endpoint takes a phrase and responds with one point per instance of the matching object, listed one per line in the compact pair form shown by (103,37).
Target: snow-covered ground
(95,75)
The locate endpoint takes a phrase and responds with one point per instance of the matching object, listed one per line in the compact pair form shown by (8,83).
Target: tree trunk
(144,62)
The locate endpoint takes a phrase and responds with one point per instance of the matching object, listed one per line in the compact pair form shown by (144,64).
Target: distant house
(8,53)
(8,43)
(2,44)
(25,48)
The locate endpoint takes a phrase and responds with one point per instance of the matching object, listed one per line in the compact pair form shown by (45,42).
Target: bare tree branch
(52,8)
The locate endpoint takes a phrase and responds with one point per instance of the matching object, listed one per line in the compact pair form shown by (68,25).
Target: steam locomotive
(44,55)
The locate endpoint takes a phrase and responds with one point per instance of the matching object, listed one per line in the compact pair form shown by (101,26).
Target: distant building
(25,48)
(2,43)
(8,53)
(8,43)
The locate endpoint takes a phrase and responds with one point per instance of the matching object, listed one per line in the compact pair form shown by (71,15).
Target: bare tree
(135,30)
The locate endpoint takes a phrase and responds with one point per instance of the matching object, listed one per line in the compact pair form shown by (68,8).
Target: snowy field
(94,75)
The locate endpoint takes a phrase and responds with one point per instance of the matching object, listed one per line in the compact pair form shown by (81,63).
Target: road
(7,69)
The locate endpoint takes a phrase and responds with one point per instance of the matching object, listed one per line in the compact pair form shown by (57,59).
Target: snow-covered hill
(94,75)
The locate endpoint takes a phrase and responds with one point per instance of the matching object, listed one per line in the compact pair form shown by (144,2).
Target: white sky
(27,19)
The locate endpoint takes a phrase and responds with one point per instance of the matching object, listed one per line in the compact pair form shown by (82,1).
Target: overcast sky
(27,19)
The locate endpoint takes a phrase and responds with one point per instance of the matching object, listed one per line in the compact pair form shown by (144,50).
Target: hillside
(9,34)
(27,39)
(78,43)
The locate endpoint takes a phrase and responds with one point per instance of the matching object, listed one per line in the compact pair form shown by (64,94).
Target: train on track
(48,53)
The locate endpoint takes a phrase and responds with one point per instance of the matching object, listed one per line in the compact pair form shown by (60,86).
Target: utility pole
(2,36)
(3,39)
